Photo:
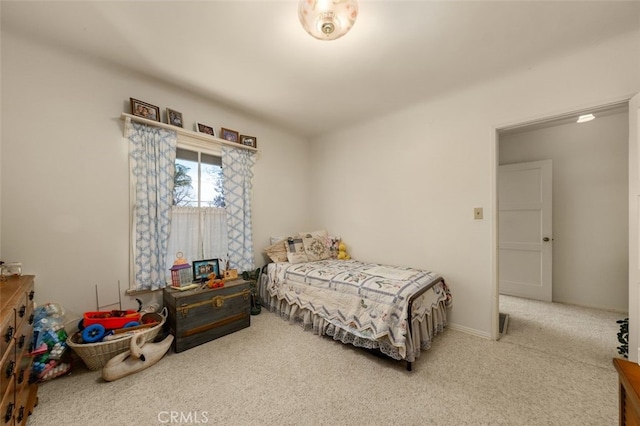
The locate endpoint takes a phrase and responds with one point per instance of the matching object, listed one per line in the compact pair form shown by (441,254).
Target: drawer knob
(31,293)
(9,371)
(31,318)
(22,311)
(20,414)
(21,341)
(9,334)
(9,412)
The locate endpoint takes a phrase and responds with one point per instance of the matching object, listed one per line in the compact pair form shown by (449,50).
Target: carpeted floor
(553,367)
(581,334)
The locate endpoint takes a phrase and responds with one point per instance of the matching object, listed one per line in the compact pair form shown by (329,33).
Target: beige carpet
(274,373)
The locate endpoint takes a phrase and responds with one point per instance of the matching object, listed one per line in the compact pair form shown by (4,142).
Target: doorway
(590,193)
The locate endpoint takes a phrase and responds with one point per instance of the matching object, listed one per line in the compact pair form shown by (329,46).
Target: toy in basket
(111,320)
(96,354)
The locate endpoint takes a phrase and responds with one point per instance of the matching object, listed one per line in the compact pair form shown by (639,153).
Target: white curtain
(199,233)
(237,169)
(152,153)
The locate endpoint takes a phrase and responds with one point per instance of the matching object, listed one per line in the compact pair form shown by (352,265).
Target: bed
(394,310)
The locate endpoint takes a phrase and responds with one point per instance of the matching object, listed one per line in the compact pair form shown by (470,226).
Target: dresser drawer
(8,367)
(7,330)
(7,408)
(24,362)
(25,398)
(24,309)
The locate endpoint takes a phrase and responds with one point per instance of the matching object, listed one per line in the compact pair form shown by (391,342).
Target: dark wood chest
(201,315)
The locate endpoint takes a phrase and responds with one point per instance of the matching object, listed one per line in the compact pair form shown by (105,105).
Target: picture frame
(174,118)
(203,128)
(145,110)
(229,135)
(249,141)
(203,268)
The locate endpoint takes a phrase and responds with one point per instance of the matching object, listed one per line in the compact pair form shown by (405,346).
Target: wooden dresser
(16,334)
(201,315)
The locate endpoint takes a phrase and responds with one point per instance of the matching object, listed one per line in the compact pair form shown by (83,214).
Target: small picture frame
(203,128)
(174,118)
(229,135)
(203,268)
(249,141)
(144,110)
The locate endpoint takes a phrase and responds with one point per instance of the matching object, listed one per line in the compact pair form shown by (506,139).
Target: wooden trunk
(201,315)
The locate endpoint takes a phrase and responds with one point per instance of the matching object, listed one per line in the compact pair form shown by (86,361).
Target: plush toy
(214,282)
(342,252)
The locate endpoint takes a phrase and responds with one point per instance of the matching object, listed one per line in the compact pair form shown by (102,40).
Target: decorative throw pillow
(316,248)
(297,257)
(318,233)
(277,252)
(277,239)
(295,250)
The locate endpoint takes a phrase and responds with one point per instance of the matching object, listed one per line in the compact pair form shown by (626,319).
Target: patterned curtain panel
(237,169)
(152,153)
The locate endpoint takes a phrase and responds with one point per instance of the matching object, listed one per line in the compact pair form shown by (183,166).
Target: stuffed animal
(214,282)
(342,252)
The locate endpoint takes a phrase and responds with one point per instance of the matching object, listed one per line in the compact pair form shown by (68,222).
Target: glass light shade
(327,19)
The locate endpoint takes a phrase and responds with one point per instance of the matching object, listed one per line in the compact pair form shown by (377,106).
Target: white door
(634,228)
(524,229)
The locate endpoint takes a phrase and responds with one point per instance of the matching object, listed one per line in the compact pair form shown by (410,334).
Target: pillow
(319,233)
(297,258)
(277,252)
(295,250)
(274,240)
(316,248)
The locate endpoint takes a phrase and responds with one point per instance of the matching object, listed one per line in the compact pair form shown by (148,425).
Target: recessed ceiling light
(585,118)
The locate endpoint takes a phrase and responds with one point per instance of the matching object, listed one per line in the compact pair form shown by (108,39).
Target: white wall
(64,169)
(590,206)
(402,188)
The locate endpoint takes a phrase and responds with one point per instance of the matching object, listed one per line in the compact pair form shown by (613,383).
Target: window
(199,219)
(198,224)
(198,180)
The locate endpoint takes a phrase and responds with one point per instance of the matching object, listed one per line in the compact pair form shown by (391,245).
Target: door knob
(545,239)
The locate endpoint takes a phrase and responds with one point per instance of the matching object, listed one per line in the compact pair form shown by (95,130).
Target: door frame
(495,279)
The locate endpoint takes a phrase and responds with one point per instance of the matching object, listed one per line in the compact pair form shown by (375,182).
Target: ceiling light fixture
(327,19)
(585,118)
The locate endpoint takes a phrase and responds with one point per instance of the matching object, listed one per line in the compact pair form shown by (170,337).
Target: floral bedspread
(366,299)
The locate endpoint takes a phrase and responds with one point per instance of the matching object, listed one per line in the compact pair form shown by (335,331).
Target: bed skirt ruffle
(423,328)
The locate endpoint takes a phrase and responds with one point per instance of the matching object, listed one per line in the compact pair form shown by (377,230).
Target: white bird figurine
(141,355)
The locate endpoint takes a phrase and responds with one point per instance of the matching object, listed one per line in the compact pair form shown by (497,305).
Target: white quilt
(365,299)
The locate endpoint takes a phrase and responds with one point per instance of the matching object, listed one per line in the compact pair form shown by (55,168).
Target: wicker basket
(96,355)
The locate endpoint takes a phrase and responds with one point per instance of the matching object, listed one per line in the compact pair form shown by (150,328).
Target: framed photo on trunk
(203,268)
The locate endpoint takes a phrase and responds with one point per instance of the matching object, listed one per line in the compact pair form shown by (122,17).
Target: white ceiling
(255,57)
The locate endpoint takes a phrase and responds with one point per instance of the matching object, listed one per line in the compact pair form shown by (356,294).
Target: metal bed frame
(409,310)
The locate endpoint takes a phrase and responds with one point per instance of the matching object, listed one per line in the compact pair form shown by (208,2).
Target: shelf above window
(185,137)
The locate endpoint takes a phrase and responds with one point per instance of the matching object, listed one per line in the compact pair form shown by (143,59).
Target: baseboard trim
(471,331)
